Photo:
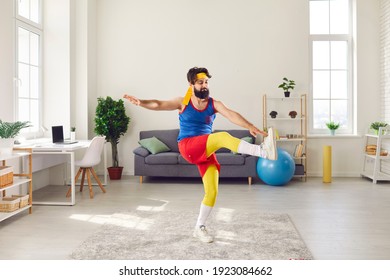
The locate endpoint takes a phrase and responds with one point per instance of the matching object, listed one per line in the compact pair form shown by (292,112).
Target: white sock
(251,149)
(203,214)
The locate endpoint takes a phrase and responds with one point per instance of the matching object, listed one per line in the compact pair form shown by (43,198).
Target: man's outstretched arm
(157,105)
(237,118)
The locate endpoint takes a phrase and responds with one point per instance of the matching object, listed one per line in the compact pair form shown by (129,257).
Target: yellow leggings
(210,179)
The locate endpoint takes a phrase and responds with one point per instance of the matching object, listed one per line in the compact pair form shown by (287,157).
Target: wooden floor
(346,219)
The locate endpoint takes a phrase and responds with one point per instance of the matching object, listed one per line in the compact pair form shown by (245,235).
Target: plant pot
(6,146)
(376,132)
(115,173)
(286,94)
(72,136)
(332,131)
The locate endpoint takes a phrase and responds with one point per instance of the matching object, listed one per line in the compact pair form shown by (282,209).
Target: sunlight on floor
(224,214)
(154,208)
(97,219)
(129,221)
(227,235)
(118,219)
(123,219)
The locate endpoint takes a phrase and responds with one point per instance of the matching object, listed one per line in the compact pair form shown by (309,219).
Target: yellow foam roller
(327,164)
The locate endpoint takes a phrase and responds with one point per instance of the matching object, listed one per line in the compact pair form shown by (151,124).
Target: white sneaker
(202,234)
(269,145)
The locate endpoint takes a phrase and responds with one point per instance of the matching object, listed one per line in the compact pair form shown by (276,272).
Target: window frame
(348,38)
(38,25)
(30,26)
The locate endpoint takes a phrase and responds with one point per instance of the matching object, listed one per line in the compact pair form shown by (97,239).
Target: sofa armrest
(141,151)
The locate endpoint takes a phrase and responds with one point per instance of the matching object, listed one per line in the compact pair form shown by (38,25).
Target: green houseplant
(332,126)
(376,125)
(8,131)
(72,133)
(286,86)
(112,122)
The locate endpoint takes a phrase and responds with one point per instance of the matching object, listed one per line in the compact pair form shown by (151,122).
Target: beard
(202,94)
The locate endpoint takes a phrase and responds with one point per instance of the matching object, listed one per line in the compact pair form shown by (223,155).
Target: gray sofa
(172,164)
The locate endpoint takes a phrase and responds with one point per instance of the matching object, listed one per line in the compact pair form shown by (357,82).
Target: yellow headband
(201,76)
(188,95)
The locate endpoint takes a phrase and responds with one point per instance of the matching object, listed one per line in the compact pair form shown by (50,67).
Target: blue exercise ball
(276,172)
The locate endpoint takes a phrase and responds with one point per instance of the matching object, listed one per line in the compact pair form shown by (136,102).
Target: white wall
(92,66)
(6,60)
(385,59)
(145,48)
(83,66)
(56,66)
(69,64)
(348,151)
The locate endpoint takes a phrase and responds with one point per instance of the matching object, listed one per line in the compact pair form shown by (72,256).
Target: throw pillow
(247,139)
(154,145)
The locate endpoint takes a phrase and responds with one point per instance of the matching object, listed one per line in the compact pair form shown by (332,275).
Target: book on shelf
(298,152)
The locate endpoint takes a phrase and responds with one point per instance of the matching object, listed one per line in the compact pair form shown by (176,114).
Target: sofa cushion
(141,151)
(154,145)
(182,160)
(162,158)
(168,136)
(230,159)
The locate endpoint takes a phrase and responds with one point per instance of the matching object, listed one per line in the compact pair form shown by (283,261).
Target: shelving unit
(20,179)
(373,165)
(291,131)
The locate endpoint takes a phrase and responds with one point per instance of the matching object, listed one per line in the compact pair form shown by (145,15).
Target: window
(28,56)
(331,65)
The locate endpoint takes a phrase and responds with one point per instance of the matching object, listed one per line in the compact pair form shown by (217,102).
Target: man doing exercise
(197,144)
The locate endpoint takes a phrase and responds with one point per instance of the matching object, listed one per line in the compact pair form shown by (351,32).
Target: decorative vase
(6,146)
(72,135)
(115,173)
(332,131)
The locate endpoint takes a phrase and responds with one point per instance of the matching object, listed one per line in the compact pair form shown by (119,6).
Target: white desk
(47,148)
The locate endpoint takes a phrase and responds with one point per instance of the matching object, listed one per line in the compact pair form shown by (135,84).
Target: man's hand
(255,131)
(134,100)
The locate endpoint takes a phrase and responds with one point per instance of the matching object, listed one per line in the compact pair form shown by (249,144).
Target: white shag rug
(167,235)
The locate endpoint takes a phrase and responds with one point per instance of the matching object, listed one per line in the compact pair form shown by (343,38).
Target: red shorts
(193,149)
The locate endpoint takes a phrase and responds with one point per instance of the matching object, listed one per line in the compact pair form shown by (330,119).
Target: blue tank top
(194,122)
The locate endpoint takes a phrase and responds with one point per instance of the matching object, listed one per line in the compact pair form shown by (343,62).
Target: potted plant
(286,86)
(111,121)
(293,114)
(8,132)
(332,126)
(273,114)
(376,125)
(73,133)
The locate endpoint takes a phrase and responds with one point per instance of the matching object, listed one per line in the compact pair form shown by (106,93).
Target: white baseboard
(341,174)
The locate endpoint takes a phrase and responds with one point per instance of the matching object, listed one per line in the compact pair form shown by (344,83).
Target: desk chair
(91,158)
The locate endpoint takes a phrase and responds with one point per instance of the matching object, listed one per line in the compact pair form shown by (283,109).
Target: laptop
(58,135)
